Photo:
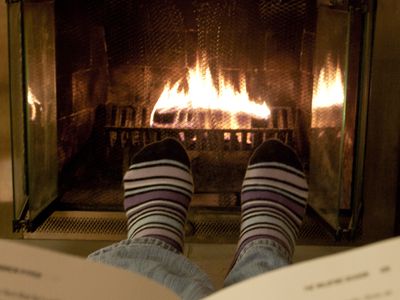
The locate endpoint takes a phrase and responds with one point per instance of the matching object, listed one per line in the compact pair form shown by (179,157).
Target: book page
(29,273)
(367,273)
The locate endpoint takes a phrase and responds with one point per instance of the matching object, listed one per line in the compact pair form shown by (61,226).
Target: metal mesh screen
(152,43)
(124,52)
(202,226)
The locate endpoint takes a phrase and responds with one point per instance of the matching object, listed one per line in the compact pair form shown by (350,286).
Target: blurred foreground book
(370,272)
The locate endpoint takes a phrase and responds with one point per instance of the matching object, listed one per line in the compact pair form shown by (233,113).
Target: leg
(274,195)
(158,189)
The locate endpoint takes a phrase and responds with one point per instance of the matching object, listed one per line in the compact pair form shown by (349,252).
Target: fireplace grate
(122,131)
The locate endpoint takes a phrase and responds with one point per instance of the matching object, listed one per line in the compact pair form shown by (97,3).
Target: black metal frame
(380,192)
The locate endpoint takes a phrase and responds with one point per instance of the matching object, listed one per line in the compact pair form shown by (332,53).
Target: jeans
(157,260)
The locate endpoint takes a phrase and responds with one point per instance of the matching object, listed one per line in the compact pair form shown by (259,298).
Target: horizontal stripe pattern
(274,197)
(276,174)
(174,170)
(251,183)
(278,166)
(264,197)
(157,197)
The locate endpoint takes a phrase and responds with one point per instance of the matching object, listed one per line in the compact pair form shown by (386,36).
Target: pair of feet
(159,186)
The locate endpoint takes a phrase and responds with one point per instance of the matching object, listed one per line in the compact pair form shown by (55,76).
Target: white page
(368,273)
(29,273)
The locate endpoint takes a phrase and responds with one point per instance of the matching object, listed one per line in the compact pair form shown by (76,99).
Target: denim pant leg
(256,258)
(157,260)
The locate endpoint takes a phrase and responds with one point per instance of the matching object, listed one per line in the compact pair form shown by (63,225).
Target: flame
(33,102)
(203,96)
(330,87)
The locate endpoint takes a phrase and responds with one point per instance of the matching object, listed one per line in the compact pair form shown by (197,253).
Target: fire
(330,87)
(33,102)
(203,103)
(328,98)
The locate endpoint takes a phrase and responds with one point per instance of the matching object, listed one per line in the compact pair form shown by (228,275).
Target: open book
(367,273)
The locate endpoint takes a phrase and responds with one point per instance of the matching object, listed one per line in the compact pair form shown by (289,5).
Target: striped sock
(274,195)
(158,189)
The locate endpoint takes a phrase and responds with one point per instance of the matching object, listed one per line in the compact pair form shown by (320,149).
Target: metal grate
(213,226)
(122,132)
(222,154)
(204,225)
(82,226)
(126,116)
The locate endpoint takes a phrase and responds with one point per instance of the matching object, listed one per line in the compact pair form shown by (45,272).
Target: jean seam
(140,241)
(153,241)
(265,242)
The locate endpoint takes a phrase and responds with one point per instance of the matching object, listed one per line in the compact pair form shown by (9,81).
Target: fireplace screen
(221,76)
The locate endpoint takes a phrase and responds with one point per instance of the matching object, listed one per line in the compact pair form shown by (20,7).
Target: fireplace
(102,79)
(201,72)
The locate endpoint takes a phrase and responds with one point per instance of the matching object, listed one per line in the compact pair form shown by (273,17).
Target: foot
(274,195)
(158,189)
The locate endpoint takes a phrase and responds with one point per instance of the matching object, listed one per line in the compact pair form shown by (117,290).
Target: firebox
(92,82)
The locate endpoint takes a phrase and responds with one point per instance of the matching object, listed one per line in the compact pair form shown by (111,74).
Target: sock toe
(275,151)
(168,148)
